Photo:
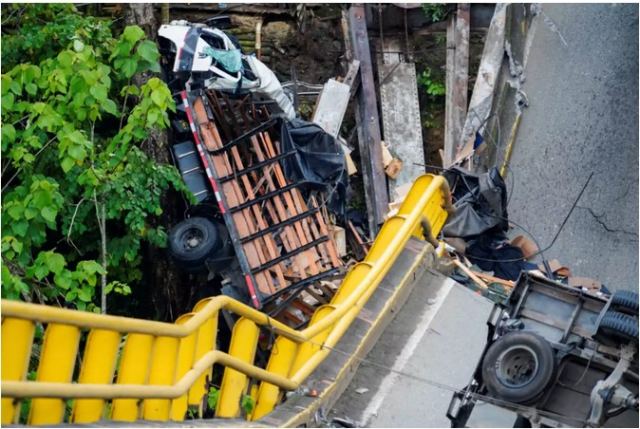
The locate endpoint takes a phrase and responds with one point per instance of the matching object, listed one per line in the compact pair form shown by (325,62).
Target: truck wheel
(618,325)
(193,240)
(518,367)
(625,299)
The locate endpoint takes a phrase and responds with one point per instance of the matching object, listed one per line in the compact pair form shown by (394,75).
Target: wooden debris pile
(281,239)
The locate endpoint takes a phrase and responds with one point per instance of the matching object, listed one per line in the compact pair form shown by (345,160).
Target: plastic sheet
(480,201)
(319,161)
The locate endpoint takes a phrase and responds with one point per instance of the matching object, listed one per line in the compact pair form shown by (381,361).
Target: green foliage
(212,397)
(32,32)
(435,89)
(435,11)
(72,131)
(247,403)
(432,86)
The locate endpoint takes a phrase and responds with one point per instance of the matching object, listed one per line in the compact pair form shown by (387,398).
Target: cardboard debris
(393,169)
(557,268)
(585,282)
(339,237)
(527,246)
(386,155)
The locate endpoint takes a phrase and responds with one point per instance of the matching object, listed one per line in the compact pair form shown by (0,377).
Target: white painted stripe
(407,351)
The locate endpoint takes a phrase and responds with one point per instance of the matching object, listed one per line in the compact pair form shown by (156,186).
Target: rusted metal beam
(368,122)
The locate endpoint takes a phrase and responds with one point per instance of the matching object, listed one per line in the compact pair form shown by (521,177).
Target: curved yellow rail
(163,367)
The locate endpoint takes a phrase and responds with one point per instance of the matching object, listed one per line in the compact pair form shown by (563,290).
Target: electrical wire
(541,251)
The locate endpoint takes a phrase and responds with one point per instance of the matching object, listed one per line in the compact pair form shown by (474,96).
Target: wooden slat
(312,255)
(300,239)
(254,253)
(368,122)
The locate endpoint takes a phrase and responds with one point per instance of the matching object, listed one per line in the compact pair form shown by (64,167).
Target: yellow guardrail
(155,370)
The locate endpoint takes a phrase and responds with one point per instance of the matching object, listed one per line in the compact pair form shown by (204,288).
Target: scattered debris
(361,390)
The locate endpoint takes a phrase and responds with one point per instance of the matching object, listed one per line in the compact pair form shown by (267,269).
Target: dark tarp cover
(480,201)
(319,161)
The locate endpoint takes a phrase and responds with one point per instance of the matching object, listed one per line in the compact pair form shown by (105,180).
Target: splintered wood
(284,237)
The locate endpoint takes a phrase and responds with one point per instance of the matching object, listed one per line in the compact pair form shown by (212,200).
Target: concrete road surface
(582,86)
(430,348)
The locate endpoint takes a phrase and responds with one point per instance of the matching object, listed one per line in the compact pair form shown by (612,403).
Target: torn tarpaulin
(494,253)
(480,202)
(319,161)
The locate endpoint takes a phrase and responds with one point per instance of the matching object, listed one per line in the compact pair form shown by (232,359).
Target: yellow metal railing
(155,371)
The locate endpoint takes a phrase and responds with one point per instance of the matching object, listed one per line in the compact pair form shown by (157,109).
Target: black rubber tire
(619,325)
(193,240)
(625,299)
(507,367)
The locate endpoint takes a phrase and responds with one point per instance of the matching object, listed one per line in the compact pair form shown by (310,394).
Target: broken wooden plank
(368,122)
(333,101)
(494,279)
(483,91)
(471,274)
(401,123)
(457,80)
(451,134)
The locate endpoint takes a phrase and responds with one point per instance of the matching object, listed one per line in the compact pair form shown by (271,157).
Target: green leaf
(49,214)
(55,262)
(159,99)
(99,92)
(133,33)
(78,45)
(7,101)
(155,67)
(109,106)
(148,51)
(71,295)
(212,397)
(247,403)
(15,210)
(40,271)
(85,294)
(20,228)
(16,245)
(8,132)
(31,88)
(63,280)
(129,67)
(91,267)
(77,152)
(65,58)
(67,164)
(152,117)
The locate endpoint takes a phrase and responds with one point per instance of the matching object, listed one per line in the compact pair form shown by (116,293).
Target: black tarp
(319,162)
(480,201)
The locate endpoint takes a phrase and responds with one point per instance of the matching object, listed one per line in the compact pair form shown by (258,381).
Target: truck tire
(625,299)
(518,367)
(618,325)
(192,241)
